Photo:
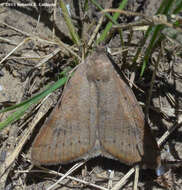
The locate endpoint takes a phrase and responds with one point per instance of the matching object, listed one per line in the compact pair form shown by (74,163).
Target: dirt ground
(19,80)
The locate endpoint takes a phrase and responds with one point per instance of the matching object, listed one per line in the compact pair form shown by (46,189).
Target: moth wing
(122,130)
(66,136)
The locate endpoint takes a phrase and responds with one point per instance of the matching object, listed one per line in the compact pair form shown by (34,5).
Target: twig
(95,31)
(156,19)
(123,180)
(11,158)
(45,170)
(68,49)
(20,44)
(76,166)
(57,50)
(54,20)
(135,186)
(110,179)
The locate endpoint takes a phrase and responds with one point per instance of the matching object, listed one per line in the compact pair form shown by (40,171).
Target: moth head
(98,67)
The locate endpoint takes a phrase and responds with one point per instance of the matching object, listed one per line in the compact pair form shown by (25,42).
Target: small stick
(54,20)
(67,173)
(111,176)
(135,186)
(123,179)
(11,52)
(11,158)
(45,170)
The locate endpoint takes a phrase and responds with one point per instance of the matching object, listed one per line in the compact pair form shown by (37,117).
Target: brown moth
(98,115)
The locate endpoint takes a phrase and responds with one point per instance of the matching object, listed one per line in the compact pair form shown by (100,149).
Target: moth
(98,114)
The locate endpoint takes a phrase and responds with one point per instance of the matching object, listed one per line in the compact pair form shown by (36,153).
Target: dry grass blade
(8,41)
(167,133)
(123,180)
(156,19)
(135,186)
(95,31)
(11,158)
(110,182)
(69,23)
(11,52)
(100,22)
(59,42)
(76,166)
(47,171)
(54,20)
(48,57)
(16,29)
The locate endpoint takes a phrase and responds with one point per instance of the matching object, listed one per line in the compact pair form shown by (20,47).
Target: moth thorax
(98,71)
